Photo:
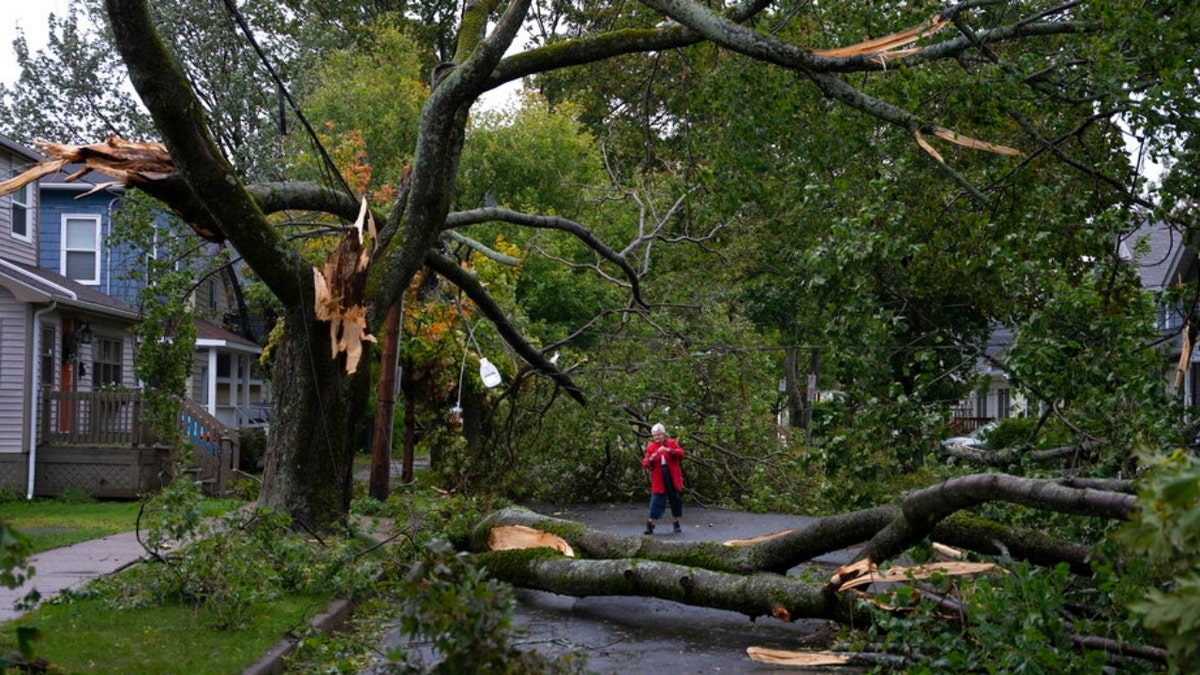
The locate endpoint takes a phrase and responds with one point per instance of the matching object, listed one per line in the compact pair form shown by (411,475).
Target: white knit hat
(658,428)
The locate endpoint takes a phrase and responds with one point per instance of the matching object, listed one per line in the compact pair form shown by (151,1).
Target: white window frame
(108,359)
(95,220)
(22,199)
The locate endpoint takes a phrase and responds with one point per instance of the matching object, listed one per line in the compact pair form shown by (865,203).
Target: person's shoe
(678,529)
(649,527)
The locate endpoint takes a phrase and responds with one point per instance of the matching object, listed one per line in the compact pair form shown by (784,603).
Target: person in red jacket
(666,476)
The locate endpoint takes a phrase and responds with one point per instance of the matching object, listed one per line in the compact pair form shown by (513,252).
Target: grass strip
(51,523)
(89,636)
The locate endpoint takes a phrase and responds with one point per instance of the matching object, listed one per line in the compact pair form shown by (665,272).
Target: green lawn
(88,634)
(88,637)
(51,523)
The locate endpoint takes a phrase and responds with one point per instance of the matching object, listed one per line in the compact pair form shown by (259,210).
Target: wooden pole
(385,406)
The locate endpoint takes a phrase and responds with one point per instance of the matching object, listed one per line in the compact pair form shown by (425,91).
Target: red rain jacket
(651,461)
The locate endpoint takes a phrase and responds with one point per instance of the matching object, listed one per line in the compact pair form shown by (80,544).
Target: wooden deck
(98,443)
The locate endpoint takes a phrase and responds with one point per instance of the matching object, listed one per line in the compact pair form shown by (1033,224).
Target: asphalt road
(647,635)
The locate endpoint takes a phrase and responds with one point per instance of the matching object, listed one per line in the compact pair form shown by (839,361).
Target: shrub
(1164,533)
(252,451)
(1023,620)
(227,566)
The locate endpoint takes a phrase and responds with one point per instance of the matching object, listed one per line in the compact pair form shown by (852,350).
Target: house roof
(88,181)
(209,334)
(1163,258)
(37,284)
(18,149)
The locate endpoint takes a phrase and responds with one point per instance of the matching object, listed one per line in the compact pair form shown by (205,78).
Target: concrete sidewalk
(71,566)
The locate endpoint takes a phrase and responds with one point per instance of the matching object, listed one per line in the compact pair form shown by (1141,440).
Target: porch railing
(964,421)
(216,446)
(114,419)
(93,418)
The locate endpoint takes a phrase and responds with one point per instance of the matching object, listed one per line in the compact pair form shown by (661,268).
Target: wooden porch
(964,420)
(98,443)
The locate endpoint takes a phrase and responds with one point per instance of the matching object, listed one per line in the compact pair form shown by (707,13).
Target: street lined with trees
(688,203)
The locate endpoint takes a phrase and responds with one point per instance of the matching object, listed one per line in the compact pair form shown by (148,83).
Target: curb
(334,616)
(336,613)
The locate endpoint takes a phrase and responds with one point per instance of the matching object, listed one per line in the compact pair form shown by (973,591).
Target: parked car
(974,439)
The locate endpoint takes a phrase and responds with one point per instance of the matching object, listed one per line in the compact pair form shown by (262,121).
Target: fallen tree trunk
(990,538)
(754,595)
(1009,457)
(923,509)
(778,553)
(748,576)
(781,551)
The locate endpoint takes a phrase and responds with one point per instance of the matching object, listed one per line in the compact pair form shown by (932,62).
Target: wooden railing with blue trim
(216,447)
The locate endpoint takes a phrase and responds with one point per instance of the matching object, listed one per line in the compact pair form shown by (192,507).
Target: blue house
(1164,259)
(76,221)
(70,402)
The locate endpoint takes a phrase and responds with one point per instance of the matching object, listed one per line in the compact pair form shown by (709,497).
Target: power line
(328,164)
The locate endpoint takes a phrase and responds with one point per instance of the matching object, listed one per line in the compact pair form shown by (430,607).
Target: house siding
(115,261)
(14,382)
(16,248)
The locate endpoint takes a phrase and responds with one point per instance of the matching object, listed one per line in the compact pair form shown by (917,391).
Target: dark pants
(658,501)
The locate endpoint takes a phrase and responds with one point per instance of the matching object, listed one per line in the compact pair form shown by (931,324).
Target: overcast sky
(30,16)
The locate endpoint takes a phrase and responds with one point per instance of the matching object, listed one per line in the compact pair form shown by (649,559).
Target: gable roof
(209,334)
(37,284)
(1165,258)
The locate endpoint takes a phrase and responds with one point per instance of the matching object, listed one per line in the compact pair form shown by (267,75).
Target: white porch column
(212,381)
(245,361)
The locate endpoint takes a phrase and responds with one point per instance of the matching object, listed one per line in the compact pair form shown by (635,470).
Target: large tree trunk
(316,408)
(784,598)
(749,577)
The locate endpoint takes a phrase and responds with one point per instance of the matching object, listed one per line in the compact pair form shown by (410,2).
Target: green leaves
(1165,532)
(14,552)
(373,89)
(450,601)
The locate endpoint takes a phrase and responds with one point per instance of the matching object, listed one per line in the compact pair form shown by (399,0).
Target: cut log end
(511,537)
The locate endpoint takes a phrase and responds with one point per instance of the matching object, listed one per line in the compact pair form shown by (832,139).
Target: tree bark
(754,595)
(795,547)
(315,409)
(924,509)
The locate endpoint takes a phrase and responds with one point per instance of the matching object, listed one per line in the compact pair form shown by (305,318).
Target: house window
(22,214)
(980,404)
(212,293)
(106,362)
(81,248)
(1002,403)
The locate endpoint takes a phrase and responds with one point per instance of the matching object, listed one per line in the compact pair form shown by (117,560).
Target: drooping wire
(328,165)
(462,372)
(466,348)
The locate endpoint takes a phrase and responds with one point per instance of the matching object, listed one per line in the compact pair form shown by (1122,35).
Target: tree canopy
(689,195)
